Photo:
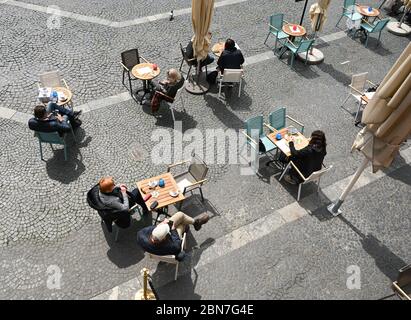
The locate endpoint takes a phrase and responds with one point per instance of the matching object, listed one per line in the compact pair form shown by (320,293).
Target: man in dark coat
(231,57)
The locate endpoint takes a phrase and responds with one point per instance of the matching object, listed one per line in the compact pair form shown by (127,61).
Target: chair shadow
(193,206)
(68,171)
(373,44)
(126,251)
(388,262)
(334,73)
(266,169)
(302,69)
(228,118)
(229,96)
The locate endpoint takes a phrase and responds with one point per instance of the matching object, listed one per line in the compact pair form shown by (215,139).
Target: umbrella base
(197,84)
(394,27)
(315,56)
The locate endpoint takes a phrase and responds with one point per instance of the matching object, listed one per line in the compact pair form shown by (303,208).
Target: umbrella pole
(334,207)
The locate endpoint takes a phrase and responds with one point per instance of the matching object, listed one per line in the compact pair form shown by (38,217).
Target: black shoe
(77,114)
(198,222)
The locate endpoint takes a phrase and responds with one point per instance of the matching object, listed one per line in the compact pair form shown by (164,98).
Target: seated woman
(308,159)
(167,88)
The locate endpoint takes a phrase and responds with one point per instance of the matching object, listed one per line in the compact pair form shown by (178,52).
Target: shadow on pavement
(68,171)
(228,118)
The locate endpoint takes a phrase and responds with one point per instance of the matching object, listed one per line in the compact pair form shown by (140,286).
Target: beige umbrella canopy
(316,10)
(202,11)
(407,4)
(388,115)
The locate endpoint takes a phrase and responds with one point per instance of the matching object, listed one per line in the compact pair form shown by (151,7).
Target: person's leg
(63,111)
(207,61)
(136,198)
(180,221)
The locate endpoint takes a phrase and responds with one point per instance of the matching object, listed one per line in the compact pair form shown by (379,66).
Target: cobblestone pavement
(46,220)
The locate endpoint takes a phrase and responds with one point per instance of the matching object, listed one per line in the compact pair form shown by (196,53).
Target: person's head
(40,111)
(173,76)
(229,44)
(160,232)
(106,184)
(318,140)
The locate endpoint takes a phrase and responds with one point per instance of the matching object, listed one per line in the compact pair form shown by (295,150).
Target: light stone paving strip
(108,23)
(259,228)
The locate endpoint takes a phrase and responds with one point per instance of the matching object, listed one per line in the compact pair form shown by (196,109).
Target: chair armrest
(365,21)
(286,22)
(249,138)
(195,184)
(371,83)
(132,208)
(183,243)
(298,171)
(176,164)
(65,83)
(270,127)
(295,121)
(396,287)
(356,90)
(288,40)
(145,60)
(165,96)
(125,67)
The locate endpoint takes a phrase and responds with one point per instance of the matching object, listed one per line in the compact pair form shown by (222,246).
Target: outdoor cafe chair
(254,132)
(191,179)
(402,285)
(108,217)
(314,177)
(170,258)
(190,62)
(53,138)
(357,89)
(374,28)
(349,11)
(275,29)
(52,79)
(174,100)
(129,59)
(230,76)
(278,119)
(302,46)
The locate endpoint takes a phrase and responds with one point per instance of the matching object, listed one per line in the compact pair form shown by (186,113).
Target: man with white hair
(165,238)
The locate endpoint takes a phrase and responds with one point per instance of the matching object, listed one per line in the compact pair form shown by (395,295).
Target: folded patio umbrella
(388,115)
(201,14)
(319,11)
(388,122)
(407,4)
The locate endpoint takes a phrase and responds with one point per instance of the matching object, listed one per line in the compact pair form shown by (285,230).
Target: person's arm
(220,62)
(63,126)
(241,58)
(298,153)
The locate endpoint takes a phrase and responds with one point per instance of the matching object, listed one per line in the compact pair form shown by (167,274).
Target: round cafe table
(146,73)
(62,91)
(363,10)
(218,48)
(289,29)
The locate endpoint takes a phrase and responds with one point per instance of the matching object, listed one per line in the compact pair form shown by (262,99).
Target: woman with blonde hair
(167,88)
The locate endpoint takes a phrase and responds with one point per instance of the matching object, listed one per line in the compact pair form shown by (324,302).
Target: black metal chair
(190,62)
(129,59)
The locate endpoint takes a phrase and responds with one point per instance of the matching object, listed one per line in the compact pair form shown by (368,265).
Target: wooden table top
(300,141)
(288,29)
(218,48)
(363,10)
(66,92)
(164,199)
(140,71)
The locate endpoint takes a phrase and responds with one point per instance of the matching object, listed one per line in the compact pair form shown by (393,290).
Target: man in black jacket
(231,57)
(54,118)
(164,240)
(190,54)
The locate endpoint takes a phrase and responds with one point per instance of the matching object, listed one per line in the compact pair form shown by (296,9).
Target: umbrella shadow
(126,251)
(68,171)
(388,262)
(403,173)
(228,118)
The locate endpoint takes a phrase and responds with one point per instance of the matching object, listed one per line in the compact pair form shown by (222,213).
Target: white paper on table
(183,183)
(144,70)
(283,145)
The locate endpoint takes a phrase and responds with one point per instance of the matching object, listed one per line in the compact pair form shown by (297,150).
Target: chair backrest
(317,174)
(350,5)
(277,118)
(185,57)
(232,75)
(178,93)
(50,79)
(130,58)
(254,125)
(304,45)
(358,82)
(50,137)
(198,168)
(380,25)
(276,20)
(169,258)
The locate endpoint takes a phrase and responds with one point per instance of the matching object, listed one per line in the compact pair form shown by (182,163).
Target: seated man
(190,53)
(159,240)
(113,202)
(167,88)
(231,57)
(54,118)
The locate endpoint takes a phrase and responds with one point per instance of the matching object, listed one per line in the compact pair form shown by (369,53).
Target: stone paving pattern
(46,220)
